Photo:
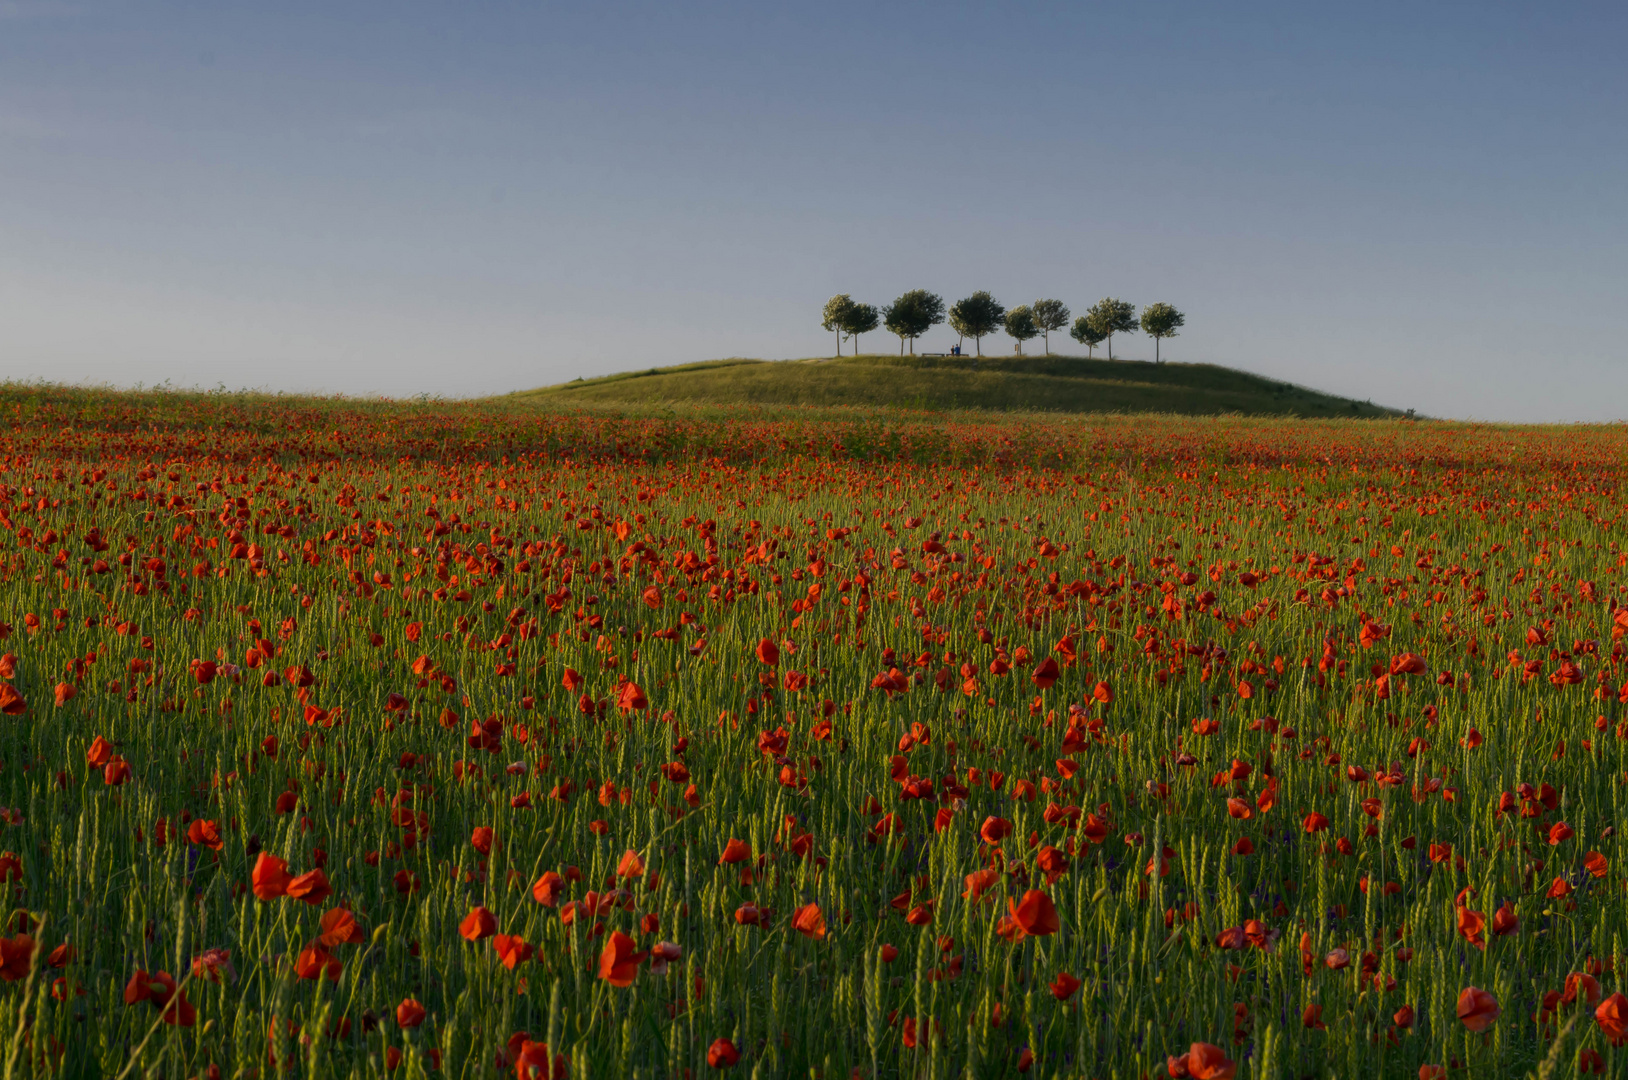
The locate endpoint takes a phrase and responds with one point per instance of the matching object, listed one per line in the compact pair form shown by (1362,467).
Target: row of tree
(980,314)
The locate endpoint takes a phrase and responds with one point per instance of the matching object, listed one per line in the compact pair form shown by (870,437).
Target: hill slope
(1015,383)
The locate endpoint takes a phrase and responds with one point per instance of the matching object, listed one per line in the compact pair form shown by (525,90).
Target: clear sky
(1425,204)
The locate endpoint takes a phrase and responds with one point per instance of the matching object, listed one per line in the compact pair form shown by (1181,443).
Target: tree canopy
(860,319)
(835,313)
(912,315)
(917,311)
(1049,316)
(1110,316)
(977,315)
(1160,321)
(1086,335)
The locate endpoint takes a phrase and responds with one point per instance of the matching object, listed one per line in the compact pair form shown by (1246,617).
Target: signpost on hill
(1020,325)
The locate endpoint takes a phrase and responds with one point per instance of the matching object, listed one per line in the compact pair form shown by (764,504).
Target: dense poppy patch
(501,743)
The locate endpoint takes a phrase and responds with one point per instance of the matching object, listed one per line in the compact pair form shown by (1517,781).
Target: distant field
(1006,384)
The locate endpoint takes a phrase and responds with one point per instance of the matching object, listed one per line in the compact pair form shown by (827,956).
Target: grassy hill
(1007,384)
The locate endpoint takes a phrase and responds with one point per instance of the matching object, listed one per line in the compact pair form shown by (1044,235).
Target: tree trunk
(912,346)
(839,344)
(901,346)
(978,343)
(1110,346)
(1047,338)
(1156,359)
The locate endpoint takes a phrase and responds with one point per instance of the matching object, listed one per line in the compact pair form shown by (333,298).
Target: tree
(977,315)
(835,314)
(1049,315)
(912,315)
(860,319)
(1086,335)
(1160,321)
(1109,317)
(1020,325)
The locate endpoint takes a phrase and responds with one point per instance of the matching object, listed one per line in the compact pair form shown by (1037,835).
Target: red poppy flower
(99,754)
(1035,914)
(1581,985)
(159,989)
(15,956)
(1477,1009)
(548,889)
(619,961)
(211,964)
(479,923)
(631,699)
(1470,927)
(722,1054)
(312,887)
(203,833)
(410,1014)
(340,927)
(11,702)
(809,921)
(511,950)
(1612,1016)
(1205,1061)
(270,877)
(994,830)
(531,1061)
(315,962)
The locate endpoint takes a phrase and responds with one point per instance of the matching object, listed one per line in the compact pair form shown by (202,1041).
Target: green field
(347,739)
(1005,384)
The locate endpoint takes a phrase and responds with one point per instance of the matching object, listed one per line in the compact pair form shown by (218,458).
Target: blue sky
(1421,204)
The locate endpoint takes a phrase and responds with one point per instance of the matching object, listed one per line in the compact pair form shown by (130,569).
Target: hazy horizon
(1421,207)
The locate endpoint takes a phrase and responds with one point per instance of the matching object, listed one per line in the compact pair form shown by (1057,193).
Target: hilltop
(1005,384)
